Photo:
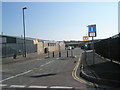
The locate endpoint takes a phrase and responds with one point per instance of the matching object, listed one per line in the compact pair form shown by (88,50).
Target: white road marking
(16,75)
(61,87)
(18,86)
(42,65)
(37,86)
(89,51)
(38,59)
(3,85)
(24,72)
(47,63)
(34,86)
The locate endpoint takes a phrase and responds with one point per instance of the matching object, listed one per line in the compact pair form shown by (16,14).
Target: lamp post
(24,32)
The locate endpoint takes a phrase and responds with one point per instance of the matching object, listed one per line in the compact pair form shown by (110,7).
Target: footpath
(102,72)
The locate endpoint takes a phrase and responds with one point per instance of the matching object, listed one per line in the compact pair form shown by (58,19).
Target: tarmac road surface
(40,72)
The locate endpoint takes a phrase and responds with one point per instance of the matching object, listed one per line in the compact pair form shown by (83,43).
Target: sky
(60,20)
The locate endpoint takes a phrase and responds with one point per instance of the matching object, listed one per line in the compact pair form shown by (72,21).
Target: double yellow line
(74,74)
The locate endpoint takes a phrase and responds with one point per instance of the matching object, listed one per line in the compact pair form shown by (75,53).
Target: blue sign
(92,28)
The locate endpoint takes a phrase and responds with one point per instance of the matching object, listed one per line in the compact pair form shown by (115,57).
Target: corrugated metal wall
(9,49)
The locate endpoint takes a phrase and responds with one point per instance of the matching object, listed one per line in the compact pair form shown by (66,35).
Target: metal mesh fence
(109,48)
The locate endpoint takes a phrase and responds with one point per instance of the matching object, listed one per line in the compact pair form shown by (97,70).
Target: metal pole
(24,32)
(93,51)
(85,51)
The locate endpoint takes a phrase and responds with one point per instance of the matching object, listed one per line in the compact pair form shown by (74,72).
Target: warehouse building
(15,45)
(45,46)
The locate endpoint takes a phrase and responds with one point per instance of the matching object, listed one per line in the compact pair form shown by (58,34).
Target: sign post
(85,38)
(92,33)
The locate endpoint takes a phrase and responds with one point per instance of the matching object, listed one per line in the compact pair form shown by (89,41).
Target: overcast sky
(60,20)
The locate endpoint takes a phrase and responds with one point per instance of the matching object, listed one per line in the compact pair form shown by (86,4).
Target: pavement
(101,72)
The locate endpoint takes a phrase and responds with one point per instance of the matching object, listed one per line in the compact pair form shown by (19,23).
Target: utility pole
(24,32)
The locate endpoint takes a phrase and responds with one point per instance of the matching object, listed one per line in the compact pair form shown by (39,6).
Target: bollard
(53,53)
(67,53)
(48,54)
(71,53)
(59,54)
(14,56)
(72,56)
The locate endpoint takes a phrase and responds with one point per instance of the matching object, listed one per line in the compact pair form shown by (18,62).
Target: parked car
(70,47)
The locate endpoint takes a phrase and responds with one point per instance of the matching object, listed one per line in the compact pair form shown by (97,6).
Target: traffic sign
(35,41)
(92,30)
(85,38)
(92,34)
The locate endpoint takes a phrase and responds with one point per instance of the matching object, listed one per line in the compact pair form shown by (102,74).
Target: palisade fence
(9,49)
(109,48)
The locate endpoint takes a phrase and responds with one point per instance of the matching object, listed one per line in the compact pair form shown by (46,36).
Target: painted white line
(42,65)
(50,62)
(3,85)
(37,86)
(80,88)
(18,86)
(116,62)
(61,87)
(24,72)
(38,59)
(47,63)
(89,50)
(16,75)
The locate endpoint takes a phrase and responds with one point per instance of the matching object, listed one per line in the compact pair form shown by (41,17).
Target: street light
(24,32)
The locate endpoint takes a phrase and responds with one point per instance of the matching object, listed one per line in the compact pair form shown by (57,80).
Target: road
(41,72)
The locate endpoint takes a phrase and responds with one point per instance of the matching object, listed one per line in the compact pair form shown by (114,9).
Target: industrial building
(15,45)
(45,46)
